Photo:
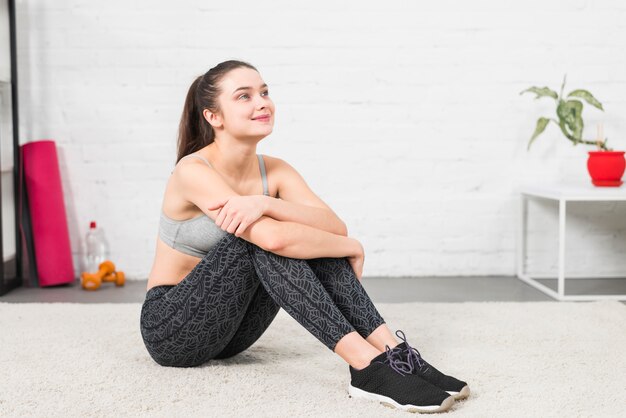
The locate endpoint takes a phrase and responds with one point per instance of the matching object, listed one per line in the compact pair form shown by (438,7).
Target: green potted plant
(605,165)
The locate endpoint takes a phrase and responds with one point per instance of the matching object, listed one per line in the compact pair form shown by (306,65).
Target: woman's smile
(262,118)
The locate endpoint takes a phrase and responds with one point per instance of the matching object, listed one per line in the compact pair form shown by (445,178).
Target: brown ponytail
(194,131)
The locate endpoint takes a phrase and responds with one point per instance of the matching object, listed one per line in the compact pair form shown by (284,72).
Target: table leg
(561,284)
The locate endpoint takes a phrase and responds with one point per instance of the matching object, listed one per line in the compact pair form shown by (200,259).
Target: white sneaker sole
(464,393)
(359,393)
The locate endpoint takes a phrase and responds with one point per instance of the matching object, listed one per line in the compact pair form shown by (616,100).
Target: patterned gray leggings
(230,298)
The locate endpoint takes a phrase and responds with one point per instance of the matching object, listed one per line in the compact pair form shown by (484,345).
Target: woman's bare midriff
(170,266)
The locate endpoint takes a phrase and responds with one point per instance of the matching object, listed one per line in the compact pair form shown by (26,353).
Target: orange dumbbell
(106,273)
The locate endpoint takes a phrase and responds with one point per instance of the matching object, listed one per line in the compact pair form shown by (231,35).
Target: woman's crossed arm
(282,237)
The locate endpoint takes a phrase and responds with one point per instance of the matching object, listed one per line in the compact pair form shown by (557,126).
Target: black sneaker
(411,360)
(384,381)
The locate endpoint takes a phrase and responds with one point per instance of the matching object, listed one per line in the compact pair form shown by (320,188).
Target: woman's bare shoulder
(197,183)
(186,173)
(271,160)
(192,170)
(275,164)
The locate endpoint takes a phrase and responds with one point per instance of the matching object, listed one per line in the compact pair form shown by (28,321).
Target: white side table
(562,193)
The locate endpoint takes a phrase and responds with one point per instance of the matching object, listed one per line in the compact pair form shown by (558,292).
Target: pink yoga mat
(53,253)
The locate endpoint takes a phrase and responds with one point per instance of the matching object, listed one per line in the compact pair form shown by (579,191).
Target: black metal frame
(6,286)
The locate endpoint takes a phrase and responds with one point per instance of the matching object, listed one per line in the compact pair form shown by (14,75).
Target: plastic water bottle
(96,248)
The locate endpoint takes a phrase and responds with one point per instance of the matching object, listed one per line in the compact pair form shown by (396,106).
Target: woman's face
(245,107)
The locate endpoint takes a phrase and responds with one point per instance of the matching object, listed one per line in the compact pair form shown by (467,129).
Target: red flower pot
(606,168)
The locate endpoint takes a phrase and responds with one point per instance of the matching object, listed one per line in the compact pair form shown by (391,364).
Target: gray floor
(381,289)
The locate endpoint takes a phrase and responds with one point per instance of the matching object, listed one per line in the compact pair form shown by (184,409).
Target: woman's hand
(357,260)
(237,213)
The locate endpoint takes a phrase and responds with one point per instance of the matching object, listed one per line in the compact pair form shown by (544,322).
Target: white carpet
(520,359)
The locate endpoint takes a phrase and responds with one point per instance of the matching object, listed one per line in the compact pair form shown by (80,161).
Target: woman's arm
(297,202)
(320,218)
(295,240)
(284,238)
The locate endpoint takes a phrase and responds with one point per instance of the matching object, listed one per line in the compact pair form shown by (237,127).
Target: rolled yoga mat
(53,253)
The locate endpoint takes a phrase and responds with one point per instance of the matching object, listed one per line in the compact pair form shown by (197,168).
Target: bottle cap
(92,225)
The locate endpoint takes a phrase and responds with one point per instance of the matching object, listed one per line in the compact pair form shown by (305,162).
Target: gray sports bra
(196,236)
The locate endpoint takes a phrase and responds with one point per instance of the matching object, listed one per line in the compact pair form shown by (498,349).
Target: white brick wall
(404,116)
